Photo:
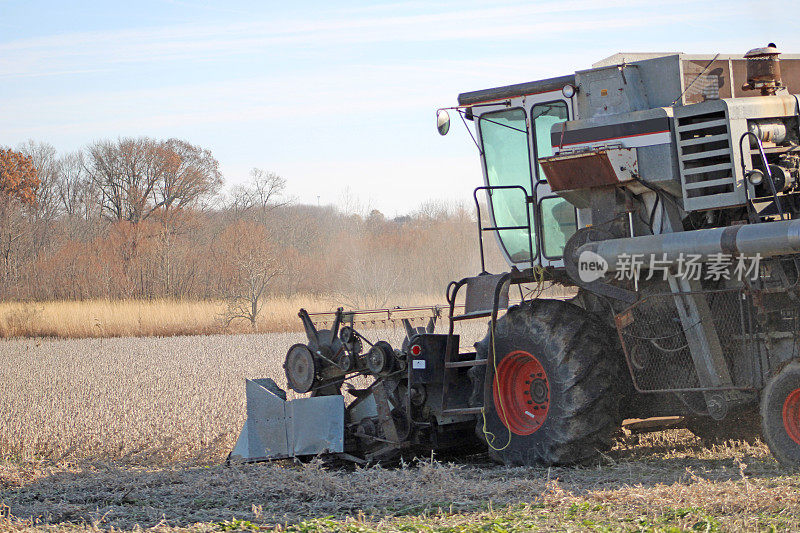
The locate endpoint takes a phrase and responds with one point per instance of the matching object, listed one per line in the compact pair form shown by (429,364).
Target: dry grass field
(167,318)
(131,433)
(163,318)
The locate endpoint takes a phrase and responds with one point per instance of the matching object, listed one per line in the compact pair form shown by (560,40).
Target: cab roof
(512,91)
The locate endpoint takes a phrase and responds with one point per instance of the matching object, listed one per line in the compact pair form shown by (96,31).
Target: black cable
(657,190)
(653,213)
(639,214)
(667,195)
(669,350)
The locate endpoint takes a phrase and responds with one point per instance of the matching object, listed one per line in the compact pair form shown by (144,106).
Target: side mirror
(442,121)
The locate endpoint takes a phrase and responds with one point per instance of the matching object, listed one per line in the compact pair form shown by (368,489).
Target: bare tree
(252,261)
(369,280)
(436,210)
(45,160)
(19,184)
(189,174)
(261,192)
(135,218)
(78,196)
(125,171)
(43,213)
(140,177)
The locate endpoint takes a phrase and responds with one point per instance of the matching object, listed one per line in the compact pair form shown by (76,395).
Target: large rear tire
(780,415)
(556,386)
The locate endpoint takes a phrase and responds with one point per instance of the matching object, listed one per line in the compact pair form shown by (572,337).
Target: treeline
(146,218)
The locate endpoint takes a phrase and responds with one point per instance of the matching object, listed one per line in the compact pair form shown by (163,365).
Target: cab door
(512,135)
(506,157)
(556,219)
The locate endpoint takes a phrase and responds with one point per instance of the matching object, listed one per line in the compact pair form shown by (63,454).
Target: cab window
(543,117)
(505,150)
(558,225)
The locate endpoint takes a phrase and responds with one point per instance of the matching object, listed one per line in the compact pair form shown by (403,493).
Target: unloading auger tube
(766,240)
(642,161)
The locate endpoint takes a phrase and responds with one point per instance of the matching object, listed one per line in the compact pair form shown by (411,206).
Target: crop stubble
(126,431)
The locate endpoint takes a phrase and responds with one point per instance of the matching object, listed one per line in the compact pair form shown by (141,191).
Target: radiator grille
(706,160)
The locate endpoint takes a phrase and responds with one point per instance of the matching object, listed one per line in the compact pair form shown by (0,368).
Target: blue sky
(335,96)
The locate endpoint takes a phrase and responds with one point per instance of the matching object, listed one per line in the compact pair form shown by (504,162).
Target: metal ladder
(481,228)
(479,289)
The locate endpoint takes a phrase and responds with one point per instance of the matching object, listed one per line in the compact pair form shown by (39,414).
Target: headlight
(755,177)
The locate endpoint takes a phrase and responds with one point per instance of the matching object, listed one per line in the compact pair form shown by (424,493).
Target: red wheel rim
(521,393)
(791,415)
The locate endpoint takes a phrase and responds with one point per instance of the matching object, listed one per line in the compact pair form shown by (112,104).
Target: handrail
(766,169)
(489,189)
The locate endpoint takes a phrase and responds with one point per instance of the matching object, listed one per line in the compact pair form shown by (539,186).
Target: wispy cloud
(330,93)
(337,92)
(191,42)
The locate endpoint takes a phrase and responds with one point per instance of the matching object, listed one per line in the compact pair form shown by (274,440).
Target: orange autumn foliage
(18,176)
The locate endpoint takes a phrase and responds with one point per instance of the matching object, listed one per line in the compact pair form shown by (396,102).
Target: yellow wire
(538,275)
(490,437)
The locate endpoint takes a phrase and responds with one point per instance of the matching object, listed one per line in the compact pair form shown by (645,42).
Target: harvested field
(126,433)
(140,400)
(665,482)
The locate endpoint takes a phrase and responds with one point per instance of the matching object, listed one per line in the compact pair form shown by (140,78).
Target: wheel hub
(521,393)
(791,415)
(538,391)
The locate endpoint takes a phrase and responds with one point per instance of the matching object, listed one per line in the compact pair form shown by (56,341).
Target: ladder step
(501,228)
(463,411)
(461,364)
(474,314)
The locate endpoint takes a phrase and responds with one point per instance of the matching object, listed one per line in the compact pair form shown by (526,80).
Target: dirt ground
(665,481)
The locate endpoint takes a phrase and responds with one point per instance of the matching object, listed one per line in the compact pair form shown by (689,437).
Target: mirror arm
(478,146)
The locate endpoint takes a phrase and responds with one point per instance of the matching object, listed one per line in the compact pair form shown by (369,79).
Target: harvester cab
(664,190)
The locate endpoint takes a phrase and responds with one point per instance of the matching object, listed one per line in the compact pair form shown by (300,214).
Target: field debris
(667,478)
(120,433)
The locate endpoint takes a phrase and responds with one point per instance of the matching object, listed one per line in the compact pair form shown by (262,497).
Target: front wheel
(555,390)
(780,415)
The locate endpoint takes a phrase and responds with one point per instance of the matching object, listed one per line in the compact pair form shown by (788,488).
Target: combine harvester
(665,189)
